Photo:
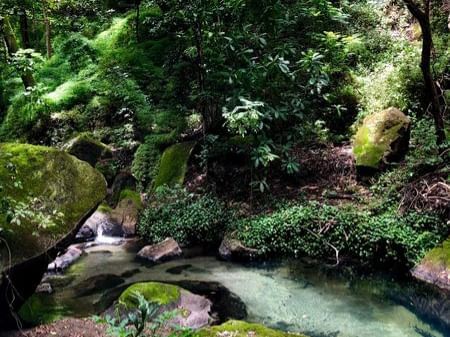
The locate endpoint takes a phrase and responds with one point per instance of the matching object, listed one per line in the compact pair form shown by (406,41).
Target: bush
(369,236)
(189,219)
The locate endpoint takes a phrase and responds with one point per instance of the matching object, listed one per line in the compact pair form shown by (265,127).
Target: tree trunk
(48,30)
(210,112)
(430,85)
(423,16)
(12,47)
(138,12)
(24,28)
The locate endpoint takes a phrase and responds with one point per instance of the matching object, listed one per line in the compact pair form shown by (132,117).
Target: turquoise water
(289,295)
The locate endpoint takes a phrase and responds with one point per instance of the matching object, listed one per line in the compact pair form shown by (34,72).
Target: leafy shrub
(402,79)
(319,230)
(189,219)
(77,50)
(147,320)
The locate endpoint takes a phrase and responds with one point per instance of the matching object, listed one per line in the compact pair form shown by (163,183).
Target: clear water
(288,295)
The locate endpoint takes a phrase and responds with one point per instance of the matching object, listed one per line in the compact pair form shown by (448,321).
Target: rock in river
(63,261)
(233,249)
(161,252)
(435,267)
(194,310)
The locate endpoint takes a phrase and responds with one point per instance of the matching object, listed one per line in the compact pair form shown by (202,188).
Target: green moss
(104,208)
(375,137)
(173,165)
(59,181)
(76,269)
(243,329)
(131,195)
(42,309)
(152,291)
(439,255)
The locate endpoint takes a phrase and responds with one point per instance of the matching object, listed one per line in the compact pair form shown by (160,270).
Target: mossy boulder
(173,164)
(160,293)
(383,137)
(193,311)
(243,329)
(50,194)
(88,149)
(58,185)
(435,266)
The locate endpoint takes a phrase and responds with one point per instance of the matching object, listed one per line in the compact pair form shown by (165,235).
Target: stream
(288,295)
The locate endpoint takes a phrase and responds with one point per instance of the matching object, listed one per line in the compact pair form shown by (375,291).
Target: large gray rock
(197,310)
(233,249)
(63,261)
(161,252)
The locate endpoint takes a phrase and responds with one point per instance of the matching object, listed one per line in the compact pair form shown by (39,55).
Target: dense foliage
(254,86)
(187,218)
(376,236)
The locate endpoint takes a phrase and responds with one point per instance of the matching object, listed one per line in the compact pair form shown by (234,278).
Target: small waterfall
(101,238)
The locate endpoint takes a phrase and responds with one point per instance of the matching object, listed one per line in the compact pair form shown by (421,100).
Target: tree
(48,32)
(12,47)
(137,5)
(24,26)
(422,13)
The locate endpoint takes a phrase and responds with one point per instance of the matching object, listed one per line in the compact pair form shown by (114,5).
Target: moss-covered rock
(382,136)
(50,183)
(42,309)
(192,311)
(87,149)
(160,293)
(243,329)
(435,266)
(173,164)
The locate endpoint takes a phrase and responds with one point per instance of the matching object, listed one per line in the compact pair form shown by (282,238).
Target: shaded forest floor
(70,327)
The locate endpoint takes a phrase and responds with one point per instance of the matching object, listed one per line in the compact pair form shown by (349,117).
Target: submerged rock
(95,283)
(435,267)
(383,136)
(161,252)
(233,249)
(243,329)
(54,185)
(62,262)
(87,149)
(194,310)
